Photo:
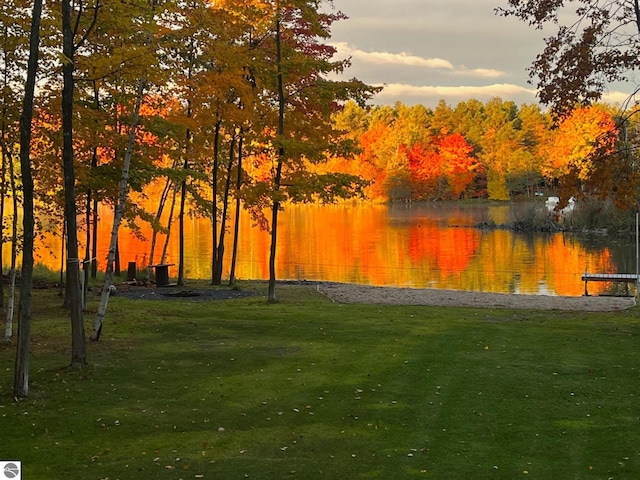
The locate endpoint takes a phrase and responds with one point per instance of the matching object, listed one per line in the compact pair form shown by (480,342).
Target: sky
(427,50)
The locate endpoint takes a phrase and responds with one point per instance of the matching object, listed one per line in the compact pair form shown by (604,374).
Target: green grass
(308,389)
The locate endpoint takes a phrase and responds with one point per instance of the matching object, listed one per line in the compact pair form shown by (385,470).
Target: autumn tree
(444,119)
(351,123)
(375,151)
(593,43)
(426,169)
(468,120)
(534,126)
(459,165)
(137,82)
(582,156)
(21,371)
(14,22)
(443,169)
(304,98)
(500,146)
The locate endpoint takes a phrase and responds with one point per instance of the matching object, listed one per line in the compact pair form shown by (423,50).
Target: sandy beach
(350,293)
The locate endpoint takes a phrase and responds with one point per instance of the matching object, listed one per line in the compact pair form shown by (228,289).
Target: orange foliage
(372,168)
(457,162)
(425,163)
(585,132)
(448,159)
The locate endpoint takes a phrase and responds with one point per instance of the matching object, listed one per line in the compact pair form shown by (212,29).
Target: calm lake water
(419,245)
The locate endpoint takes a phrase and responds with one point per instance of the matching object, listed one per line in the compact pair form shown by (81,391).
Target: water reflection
(430,245)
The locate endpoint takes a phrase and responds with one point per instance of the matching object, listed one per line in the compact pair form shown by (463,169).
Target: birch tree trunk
(118,215)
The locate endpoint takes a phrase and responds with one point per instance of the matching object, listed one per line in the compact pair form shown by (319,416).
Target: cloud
(430,95)
(480,73)
(618,98)
(461,90)
(408,60)
(507,91)
(385,58)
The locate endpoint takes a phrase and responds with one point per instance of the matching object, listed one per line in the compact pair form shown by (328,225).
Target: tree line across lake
(494,150)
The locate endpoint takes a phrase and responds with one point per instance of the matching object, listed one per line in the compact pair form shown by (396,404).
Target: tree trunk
(62,291)
(172,209)
(158,218)
(183,194)
(78,347)
(271,294)
(94,240)
(86,265)
(225,207)
(118,215)
(183,199)
(87,268)
(236,226)
(5,156)
(8,333)
(14,250)
(214,204)
(21,372)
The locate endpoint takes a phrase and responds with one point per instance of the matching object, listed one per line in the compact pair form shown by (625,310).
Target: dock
(608,277)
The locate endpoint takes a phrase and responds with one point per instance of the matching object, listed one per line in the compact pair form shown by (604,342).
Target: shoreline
(368,294)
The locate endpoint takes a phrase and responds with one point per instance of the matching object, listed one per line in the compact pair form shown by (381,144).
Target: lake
(417,245)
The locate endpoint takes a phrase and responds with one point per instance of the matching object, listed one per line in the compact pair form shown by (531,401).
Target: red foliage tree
(457,162)
(443,169)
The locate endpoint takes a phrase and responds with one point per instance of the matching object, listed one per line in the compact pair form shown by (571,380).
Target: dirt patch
(176,293)
(349,293)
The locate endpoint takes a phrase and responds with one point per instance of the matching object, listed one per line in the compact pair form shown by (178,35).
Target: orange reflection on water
(449,249)
(364,244)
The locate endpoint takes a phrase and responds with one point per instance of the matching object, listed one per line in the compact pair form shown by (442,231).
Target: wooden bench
(162,273)
(608,277)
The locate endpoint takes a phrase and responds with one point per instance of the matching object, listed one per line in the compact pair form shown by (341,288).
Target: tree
(374,156)
(145,70)
(119,214)
(499,146)
(301,128)
(534,126)
(206,53)
(21,372)
(459,165)
(14,22)
(236,223)
(444,169)
(70,30)
(595,42)
(583,157)
(426,169)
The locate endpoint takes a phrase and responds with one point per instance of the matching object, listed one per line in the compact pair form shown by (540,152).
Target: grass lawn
(309,389)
